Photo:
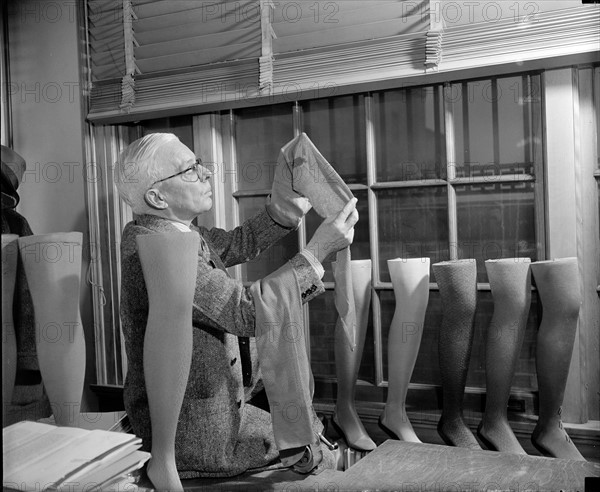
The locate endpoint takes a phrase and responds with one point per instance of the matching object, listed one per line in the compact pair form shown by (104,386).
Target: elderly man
(218,434)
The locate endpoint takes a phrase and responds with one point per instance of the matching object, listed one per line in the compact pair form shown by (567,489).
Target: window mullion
(373,238)
(229,141)
(534,95)
(302,239)
(495,122)
(451,172)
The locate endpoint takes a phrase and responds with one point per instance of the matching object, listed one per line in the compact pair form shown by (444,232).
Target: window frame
(214,140)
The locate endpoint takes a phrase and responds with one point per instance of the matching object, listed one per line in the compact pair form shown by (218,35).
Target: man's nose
(207,173)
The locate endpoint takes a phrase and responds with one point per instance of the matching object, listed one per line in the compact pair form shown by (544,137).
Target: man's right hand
(335,233)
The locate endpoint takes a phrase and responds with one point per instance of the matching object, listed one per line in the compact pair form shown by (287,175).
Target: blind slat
(194,58)
(338,36)
(194,19)
(197,43)
(357,17)
(333,12)
(211,10)
(146,33)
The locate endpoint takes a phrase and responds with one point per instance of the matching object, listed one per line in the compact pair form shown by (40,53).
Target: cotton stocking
(458,291)
(347,361)
(52,264)
(169,266)
(557,282)
(510,282)
(410,279)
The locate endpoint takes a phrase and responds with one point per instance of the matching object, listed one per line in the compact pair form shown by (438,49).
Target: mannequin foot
(498,436)
(455,432)
(163,475)
(347,423)
(397,426)
(552,440)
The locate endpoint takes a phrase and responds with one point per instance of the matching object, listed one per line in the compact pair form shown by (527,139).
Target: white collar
(180,226)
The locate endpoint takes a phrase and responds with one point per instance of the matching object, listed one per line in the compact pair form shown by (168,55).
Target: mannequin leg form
(510,281)
(557,282)
(52,264)
(10,252)
(410,278)
(169,267)
(457,281)
(347,361)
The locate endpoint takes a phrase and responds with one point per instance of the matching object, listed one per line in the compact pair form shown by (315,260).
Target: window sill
(585,436)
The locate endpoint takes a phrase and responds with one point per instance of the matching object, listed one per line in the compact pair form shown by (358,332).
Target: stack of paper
(38,456)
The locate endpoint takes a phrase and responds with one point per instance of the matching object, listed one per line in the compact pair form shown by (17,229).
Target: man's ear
(155,199)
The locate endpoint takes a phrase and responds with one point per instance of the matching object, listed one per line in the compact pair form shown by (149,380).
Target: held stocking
(169,266)
(458,291)
(510,282)
(303,169)
(10,252)
(52,264)
(557,282)
(410,279)
(347,361)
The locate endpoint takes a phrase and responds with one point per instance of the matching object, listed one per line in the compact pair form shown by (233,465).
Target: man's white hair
(140,165)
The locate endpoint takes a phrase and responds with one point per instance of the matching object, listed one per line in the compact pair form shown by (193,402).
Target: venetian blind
(182,50)
(186,56)
(532,36)
(105,39)
(345,42)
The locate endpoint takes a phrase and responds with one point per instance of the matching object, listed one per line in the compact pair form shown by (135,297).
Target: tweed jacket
(218,434)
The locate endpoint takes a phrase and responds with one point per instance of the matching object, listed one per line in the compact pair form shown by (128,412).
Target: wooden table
(414,467)
(405,466)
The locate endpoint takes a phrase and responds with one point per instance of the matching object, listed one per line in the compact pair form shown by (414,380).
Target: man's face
(187,195)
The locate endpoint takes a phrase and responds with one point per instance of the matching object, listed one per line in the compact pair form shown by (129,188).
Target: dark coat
(218,434)
(29,399)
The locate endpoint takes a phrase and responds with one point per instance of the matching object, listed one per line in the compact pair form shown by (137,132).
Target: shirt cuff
(316,264)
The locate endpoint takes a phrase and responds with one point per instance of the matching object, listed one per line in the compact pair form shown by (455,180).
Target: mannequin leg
(557,282)
(169,266)
(10,251)
(52,264)
(347,361)
(410,278)
(510,281)
(457,281)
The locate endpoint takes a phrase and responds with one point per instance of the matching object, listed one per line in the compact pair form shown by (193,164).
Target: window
(445,171)
(427,191)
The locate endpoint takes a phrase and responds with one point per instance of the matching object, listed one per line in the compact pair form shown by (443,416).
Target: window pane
(271,259)
(495,221)
(413,223)
(427,369)
(360,249)
(337,127)
(181,126)
(494,125)
(409,134)
(323,316)
(259,135)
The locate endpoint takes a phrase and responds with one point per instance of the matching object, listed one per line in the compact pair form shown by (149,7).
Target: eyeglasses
(201,172)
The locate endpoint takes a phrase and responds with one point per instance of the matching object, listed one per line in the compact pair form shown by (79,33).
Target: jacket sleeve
(247,241)
(226,304)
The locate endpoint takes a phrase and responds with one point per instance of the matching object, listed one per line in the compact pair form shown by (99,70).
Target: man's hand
(335,232)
